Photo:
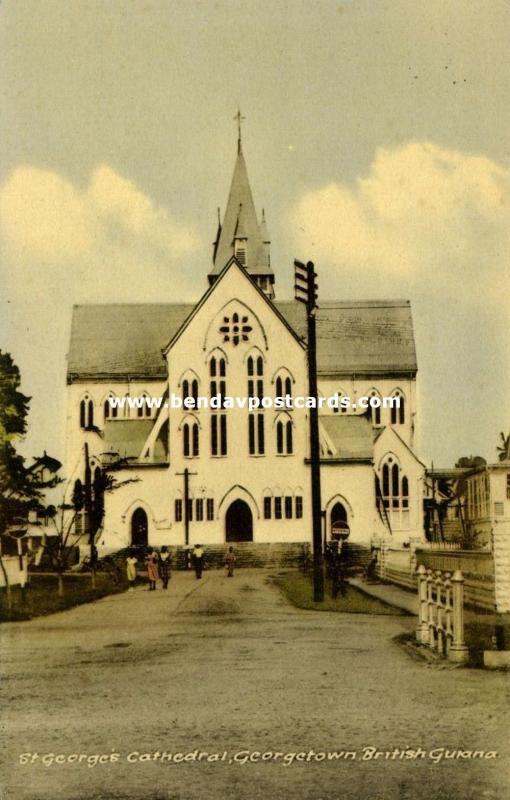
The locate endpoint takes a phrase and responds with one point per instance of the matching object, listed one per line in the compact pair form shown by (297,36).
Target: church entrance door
(139,528)
(239,522)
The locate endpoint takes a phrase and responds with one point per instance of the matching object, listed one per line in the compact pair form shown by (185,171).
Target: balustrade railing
(441,613)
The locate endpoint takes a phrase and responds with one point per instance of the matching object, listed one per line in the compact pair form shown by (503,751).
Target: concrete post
(422,631)
(458,651)
(448,611)
(430,609)
(438,583)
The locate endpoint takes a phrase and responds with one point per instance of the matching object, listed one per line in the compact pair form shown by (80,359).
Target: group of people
(158,568)
(158,565)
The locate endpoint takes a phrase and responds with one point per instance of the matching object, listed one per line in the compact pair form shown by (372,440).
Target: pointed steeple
(240,234)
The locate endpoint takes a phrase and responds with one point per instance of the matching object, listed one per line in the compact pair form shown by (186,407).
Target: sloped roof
(365,337)
(123,340)
(127,437)
(360,337)
(350,435)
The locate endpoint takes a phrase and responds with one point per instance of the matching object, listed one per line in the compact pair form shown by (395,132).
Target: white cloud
(62,244)
(95,244)
(422,214)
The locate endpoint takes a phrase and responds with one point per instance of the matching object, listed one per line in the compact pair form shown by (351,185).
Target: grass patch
(478,632)
(41,598)
(298,589)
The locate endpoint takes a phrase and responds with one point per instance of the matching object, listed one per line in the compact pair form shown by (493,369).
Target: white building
(249,477)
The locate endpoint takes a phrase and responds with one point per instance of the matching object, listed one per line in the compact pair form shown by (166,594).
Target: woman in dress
(152,569)
(131,565)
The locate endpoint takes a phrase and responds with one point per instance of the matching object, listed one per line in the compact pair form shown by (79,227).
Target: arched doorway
(239,522)
(139,528)
(339,524)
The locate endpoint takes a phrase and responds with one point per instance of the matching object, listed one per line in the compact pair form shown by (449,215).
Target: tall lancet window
(398,415)
(256,433)
(394,487)
(86,413)
(190,439)
(218,385)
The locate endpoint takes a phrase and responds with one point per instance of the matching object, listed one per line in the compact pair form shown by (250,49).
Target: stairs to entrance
(248,554)
(357,557)
(452,530)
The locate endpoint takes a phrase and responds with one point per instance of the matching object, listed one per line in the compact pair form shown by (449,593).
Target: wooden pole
(318,565)
(186,474)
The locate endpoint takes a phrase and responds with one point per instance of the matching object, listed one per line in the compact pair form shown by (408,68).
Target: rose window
(235,329)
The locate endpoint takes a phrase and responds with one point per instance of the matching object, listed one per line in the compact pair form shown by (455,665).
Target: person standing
(230,560)
(152,569)
(165,559)
(198,560)
(131,569)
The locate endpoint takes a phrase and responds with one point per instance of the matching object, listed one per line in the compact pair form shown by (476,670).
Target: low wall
(501,544)
(477,568)
(397,566)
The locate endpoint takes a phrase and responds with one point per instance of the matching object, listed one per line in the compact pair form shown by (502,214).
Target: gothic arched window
(398,414)
(218,419)
(86,413)
(284,436)
(375,407)
(394,489)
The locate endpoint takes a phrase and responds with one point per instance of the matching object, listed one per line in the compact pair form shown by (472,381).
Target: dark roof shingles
(358,337)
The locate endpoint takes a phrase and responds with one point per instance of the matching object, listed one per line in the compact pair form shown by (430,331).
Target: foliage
(21,488)
(468,539)
(40,597)
(504,448)
(467,462)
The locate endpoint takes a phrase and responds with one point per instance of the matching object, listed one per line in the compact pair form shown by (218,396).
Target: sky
(376,138)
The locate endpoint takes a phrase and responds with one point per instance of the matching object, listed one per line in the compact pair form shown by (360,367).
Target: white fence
(441,613)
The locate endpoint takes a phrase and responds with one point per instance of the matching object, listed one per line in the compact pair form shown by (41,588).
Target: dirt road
(218,670)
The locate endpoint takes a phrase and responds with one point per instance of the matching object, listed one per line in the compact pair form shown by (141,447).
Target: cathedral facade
(222,474)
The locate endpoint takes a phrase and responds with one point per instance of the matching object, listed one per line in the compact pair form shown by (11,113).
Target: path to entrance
(223,665)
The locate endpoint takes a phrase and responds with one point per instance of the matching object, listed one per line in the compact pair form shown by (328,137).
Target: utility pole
(306,292)
(186,474)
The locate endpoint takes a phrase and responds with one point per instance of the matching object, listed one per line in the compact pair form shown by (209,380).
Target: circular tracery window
(235,329)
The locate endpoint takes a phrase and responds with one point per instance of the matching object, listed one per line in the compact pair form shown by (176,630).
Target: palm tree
(504,448)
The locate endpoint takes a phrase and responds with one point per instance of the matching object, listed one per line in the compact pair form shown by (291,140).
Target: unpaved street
(223,666)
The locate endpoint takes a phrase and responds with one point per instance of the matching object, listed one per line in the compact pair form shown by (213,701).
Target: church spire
(240,233)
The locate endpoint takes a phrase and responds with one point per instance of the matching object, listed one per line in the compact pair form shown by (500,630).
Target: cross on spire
(239,117)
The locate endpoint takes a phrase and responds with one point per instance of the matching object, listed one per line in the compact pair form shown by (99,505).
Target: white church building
(248,471)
